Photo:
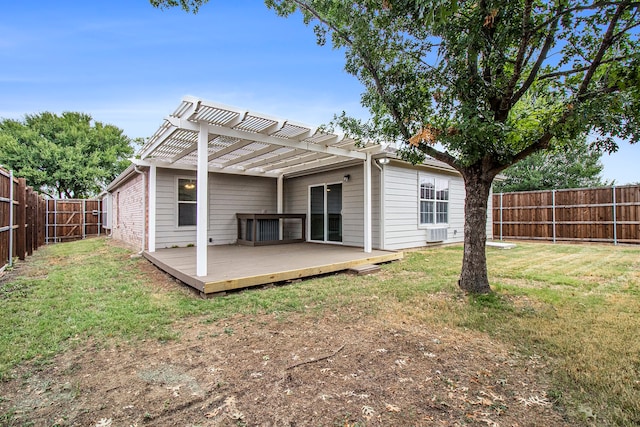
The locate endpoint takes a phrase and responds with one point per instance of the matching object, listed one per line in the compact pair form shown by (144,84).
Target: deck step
(361,270)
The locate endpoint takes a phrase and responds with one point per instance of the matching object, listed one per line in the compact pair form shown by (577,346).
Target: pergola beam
(193,167)
(266,139)
(274,159)
(249,156)
(315,163)
(230,149)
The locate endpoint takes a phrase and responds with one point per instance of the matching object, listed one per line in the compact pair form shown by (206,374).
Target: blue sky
(129,64)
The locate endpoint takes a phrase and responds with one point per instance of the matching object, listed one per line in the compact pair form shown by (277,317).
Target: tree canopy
(483,84)
(68,155)
(574,166)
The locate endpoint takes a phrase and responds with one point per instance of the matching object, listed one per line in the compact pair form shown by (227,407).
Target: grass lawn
(575,306)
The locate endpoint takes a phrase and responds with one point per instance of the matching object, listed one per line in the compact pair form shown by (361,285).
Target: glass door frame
(325,185)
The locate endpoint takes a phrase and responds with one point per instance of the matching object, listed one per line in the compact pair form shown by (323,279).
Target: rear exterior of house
(216,175)
(412,206)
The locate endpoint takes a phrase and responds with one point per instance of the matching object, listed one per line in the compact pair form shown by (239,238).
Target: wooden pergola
(209,137)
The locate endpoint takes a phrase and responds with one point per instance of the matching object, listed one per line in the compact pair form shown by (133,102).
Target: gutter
(124,175)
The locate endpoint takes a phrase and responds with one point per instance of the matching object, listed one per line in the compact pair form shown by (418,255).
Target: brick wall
(129,215)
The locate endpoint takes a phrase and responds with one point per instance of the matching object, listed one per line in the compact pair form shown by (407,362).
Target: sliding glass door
(325,213)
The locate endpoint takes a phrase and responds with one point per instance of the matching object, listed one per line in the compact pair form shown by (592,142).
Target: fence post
(553,213)
(55,221)
(11,229)
(21,237)
(36,220)
(615,231)
(46,222)
(84,219)
(29,220)
(500,216)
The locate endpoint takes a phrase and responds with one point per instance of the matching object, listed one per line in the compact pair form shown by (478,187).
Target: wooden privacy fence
(27,221)
(607,214)
(72,219)
(22,219)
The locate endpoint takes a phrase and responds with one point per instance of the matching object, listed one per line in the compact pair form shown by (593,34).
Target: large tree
(482,84)
(68,155)
(574,166)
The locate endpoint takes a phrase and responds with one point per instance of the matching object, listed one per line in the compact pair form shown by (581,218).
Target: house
(214,176)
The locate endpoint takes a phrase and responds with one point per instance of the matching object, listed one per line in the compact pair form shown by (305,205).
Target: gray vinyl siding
(231,194)
(401,226)
(228,195)
(296,194)
(167,232)
(375,207)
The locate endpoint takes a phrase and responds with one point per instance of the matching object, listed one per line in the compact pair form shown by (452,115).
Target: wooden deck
(235,266)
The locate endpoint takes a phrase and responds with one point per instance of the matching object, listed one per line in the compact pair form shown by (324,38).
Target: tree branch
(315,360)
(444,157)
(520,61)
(606,44)
(536,67)
(596,5)
(581,95)
(581,69)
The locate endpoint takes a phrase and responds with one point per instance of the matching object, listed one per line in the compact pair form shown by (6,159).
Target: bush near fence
(606,214)
(28,221)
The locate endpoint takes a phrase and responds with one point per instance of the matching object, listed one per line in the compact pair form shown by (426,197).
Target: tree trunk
(473,278)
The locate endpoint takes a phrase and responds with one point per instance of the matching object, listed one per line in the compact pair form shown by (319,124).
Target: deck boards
(236,266)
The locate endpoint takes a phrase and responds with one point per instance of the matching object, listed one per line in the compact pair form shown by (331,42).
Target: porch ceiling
(245,142)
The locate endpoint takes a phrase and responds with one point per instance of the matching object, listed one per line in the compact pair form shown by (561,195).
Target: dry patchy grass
(574,308)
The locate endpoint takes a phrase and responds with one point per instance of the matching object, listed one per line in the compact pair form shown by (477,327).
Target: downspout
(144,207)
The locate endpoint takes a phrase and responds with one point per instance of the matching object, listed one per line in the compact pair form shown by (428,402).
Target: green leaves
(575,166)
(186,5)
(510,78)
(65,156)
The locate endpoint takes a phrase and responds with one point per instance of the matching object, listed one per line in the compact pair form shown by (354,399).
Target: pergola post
(280,204)
(202,201)
(152,208)
(367,204)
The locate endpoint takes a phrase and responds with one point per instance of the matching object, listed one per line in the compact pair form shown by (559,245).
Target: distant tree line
(573,166)
(66,156)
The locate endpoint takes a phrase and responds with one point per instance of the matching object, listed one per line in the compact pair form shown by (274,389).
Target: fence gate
(72,219)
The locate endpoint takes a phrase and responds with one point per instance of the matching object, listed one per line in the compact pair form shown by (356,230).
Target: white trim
(266,139)
(325,214)
(176,223)
(280,204)
(218,130)
(382,210)
(367,204)
(202,188)
(435,223)
(213,169)
(176,141)
(153,177)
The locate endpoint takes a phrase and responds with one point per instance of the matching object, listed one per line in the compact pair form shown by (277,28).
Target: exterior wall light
(346,178)
(384,161)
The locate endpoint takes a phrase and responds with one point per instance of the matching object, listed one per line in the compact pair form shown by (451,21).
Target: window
(186,202)
(434,200)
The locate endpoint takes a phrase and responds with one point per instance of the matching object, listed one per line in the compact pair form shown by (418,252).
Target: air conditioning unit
(436,235)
